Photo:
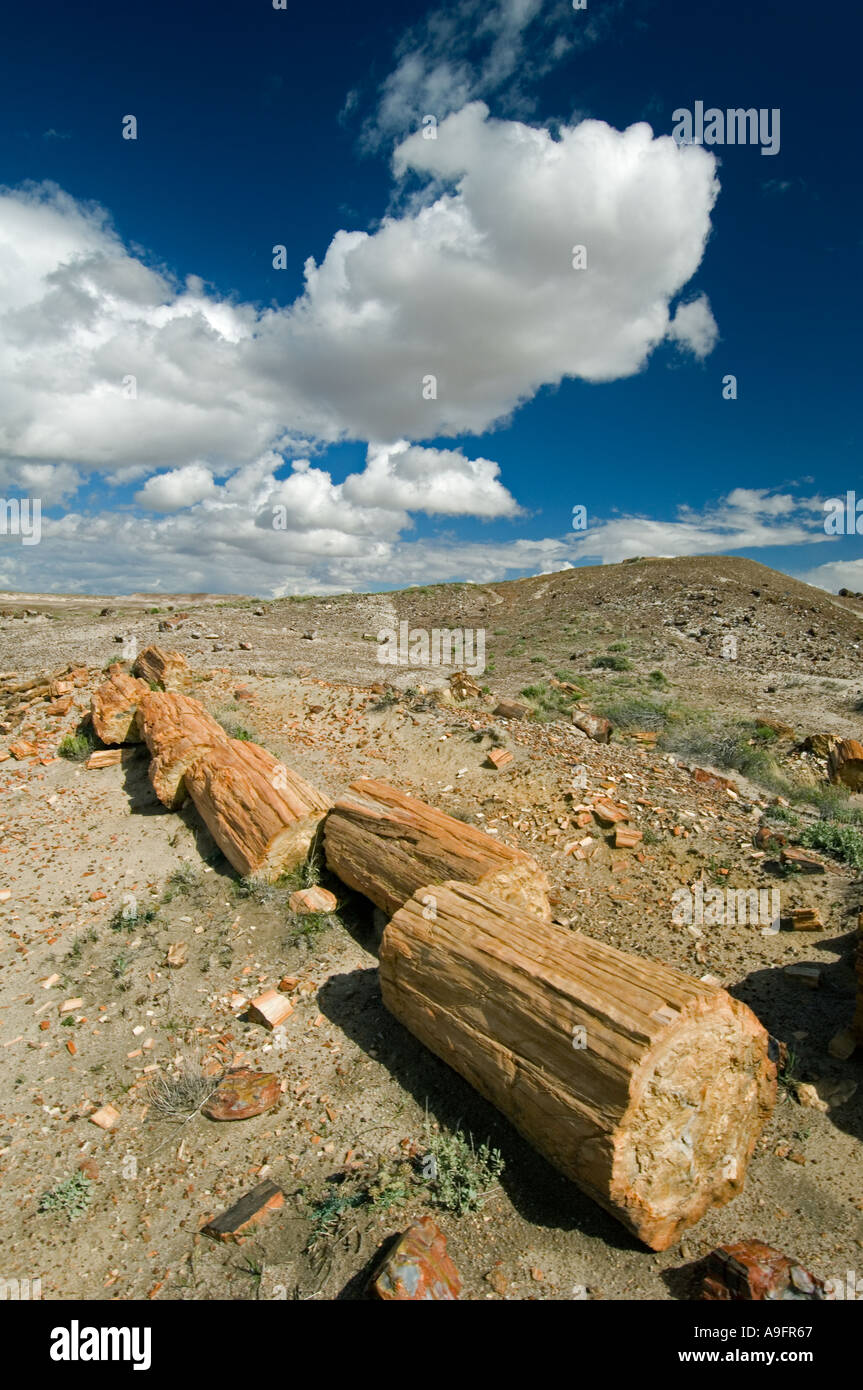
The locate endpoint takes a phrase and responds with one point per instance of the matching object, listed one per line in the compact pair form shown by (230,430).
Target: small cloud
(53,134)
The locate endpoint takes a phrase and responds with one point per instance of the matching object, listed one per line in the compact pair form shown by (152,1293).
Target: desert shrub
(71,1197)
(234,727)
(77,747)
(844,842)
(179,1097)
(611,663)
(460,1175)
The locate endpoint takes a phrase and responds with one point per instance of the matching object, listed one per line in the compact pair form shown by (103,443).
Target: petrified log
(845,763)
(262,815)
(167,670)
(600,730)
(646,1087)
(114,708)
(386,845)
(176,730)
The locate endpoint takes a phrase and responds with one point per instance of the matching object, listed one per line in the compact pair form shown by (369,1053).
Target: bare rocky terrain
(717,663)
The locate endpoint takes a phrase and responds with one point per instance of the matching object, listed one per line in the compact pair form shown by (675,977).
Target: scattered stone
(417,1269)
(843,1044)
(245,646)
(241,1094)
(606,812)
(802,862)
(463,686)
(270,1009)
(499,757)
(177,955)
(808,1096)
(801,919)
(314,899)
(753,1271)
(625,837)
(104,757)
(106,1117)
(809,975)
(511,709)
(600,730)
(768,839)
(711,779)
(251,1209)
(23,749)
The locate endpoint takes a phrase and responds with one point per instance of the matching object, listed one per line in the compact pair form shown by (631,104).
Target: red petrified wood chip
(751,1270)
(417,1268)
(241,1094)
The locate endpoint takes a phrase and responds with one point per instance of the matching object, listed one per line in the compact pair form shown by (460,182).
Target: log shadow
(786,1007)
(540,1195)
(357,1287)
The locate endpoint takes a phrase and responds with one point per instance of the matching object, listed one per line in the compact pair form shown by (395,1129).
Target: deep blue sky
(241,146)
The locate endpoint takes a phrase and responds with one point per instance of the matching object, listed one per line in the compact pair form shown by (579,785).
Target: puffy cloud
(440,323)
(436,481)
(182,487)
(331,543)
(694,326)
(474,296)
(478,49)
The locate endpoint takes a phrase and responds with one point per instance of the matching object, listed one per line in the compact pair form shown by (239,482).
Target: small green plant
(611,663)
(787,1073)
(130,918)
(181,881)
(844,842)
(119,966)
(460,1175)
(77,747)
(659,680)
(72,1197)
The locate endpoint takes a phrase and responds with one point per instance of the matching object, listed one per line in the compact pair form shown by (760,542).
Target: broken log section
(114,707)
(644,1086)
(167,670)
(386,845)
(262,815)
(176,730)
(845,763)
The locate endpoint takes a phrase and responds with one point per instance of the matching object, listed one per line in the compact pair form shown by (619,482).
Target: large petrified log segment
(176,730)
(167,670)
(646,1087)
(386,845)
(845,763)
(114,707)
(262,815)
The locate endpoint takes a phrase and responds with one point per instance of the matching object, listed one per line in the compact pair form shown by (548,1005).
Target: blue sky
(297,392)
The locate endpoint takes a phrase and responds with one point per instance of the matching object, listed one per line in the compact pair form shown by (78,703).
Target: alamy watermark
(844,515)
(460,647)
(21,1290)
(21,517)
(725,907)
(736,126)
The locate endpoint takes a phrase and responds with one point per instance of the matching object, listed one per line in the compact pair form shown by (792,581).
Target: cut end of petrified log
(699,1101)
(167,670)
(643,1085)
(262,815)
